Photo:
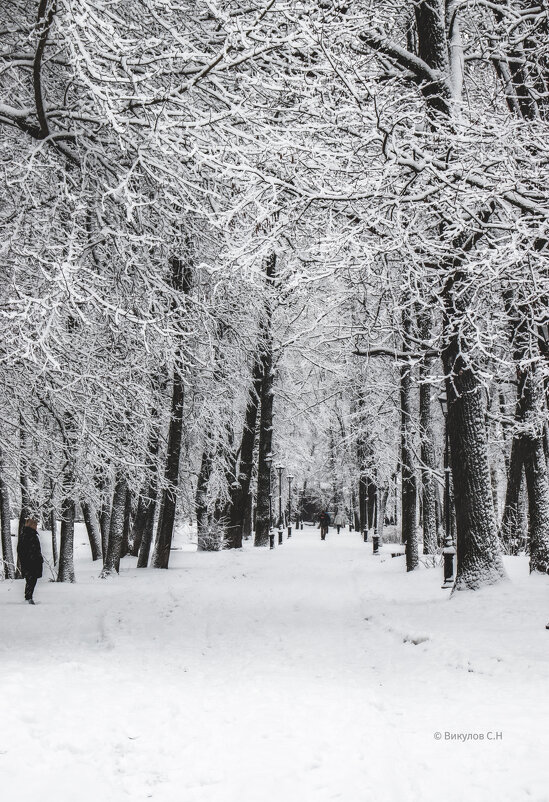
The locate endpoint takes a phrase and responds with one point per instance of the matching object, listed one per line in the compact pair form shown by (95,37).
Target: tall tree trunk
(65,572)
(264,488)
(530,417)
(105,517)
(5,525)
(383,495)
(116,530)
(409,484)
(143,525)
(148,528)
(161,555)
(125,550)
(201,505)
(23,477)
(266,420)
(139,523)
(181,278)
(478,558)
(92,528)
(366,487)
(247,522)
(222,507)
(240,495)
(53,529)
(439,514)
(429,520)
(529,405)
(511,531)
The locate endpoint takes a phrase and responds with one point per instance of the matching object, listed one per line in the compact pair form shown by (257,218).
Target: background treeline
(230,231)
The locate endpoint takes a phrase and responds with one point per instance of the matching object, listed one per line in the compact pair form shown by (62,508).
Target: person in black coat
(323,524)
(30,557)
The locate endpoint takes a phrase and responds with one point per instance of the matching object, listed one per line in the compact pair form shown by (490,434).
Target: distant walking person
(339,521)
(323,523)
(30,557)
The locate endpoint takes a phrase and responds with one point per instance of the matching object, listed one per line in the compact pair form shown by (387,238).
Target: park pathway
(312,672)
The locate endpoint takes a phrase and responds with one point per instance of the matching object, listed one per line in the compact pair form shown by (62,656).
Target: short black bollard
(448,552)
(375,541)
(280,537)
(289,531)
(301,525)
(271,540)
(365,534)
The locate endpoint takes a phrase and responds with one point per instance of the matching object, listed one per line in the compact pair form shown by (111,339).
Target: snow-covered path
(314,672)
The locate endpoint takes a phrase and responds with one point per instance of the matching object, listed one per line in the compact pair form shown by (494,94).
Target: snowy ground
(314,672)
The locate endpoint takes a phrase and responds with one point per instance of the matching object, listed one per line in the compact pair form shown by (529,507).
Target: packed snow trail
(313,672)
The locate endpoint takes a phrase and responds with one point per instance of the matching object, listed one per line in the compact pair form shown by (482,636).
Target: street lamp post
(280,519)
(449,548)
(269,462)
(290,505)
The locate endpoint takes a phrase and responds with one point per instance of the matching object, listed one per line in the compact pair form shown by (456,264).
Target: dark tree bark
(105,517)
(429,521)
(535,470)
(439,515)
(23,478)
(527,449)
(240,495)
(65,571)
(148,527)
(409,482)
(478,558)
(266,419)
(116,531)
(181,281)
(247,523)
(528,446)
(139,523)
(222,507)
(161,555)
(53,529)
(5,525)
(143,525)
(478,553)
(126,538)
(366,486)
(92,528)
(383,495)
(200,502)
(511,530)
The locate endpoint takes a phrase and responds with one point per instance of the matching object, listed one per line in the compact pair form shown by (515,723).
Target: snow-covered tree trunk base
(66,550)
(478,552)
(92,528)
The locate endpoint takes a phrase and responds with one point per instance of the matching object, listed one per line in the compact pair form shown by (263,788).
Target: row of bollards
(448,552)
(272,535)
(375,541)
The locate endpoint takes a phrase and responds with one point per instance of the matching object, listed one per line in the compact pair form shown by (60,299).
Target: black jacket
(30,553)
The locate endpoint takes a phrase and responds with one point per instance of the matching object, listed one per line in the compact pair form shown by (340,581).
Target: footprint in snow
(415,639)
